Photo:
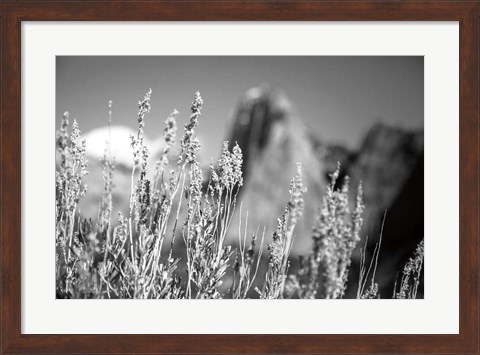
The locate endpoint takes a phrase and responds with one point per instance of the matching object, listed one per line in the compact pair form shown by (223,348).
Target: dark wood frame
(14,12)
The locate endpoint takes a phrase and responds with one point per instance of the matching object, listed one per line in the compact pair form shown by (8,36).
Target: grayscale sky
(337,97)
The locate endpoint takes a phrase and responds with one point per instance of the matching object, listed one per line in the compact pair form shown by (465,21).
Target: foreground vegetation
(134,256)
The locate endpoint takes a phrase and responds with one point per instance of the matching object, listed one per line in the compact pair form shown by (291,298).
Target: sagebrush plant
(127,258)
(411,275)
(324,272)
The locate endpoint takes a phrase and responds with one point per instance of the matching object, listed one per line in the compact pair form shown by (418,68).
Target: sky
(338,98)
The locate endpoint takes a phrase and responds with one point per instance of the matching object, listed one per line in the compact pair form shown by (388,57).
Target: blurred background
(364,112)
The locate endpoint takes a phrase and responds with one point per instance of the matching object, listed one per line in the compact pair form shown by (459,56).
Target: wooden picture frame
(14,12)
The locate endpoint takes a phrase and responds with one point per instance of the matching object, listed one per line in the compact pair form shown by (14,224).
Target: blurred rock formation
(389,163)
(273,141)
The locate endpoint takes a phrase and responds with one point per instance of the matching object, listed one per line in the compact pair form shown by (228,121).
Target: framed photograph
(231,177)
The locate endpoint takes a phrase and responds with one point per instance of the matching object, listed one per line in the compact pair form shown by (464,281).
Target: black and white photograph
(239,177)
